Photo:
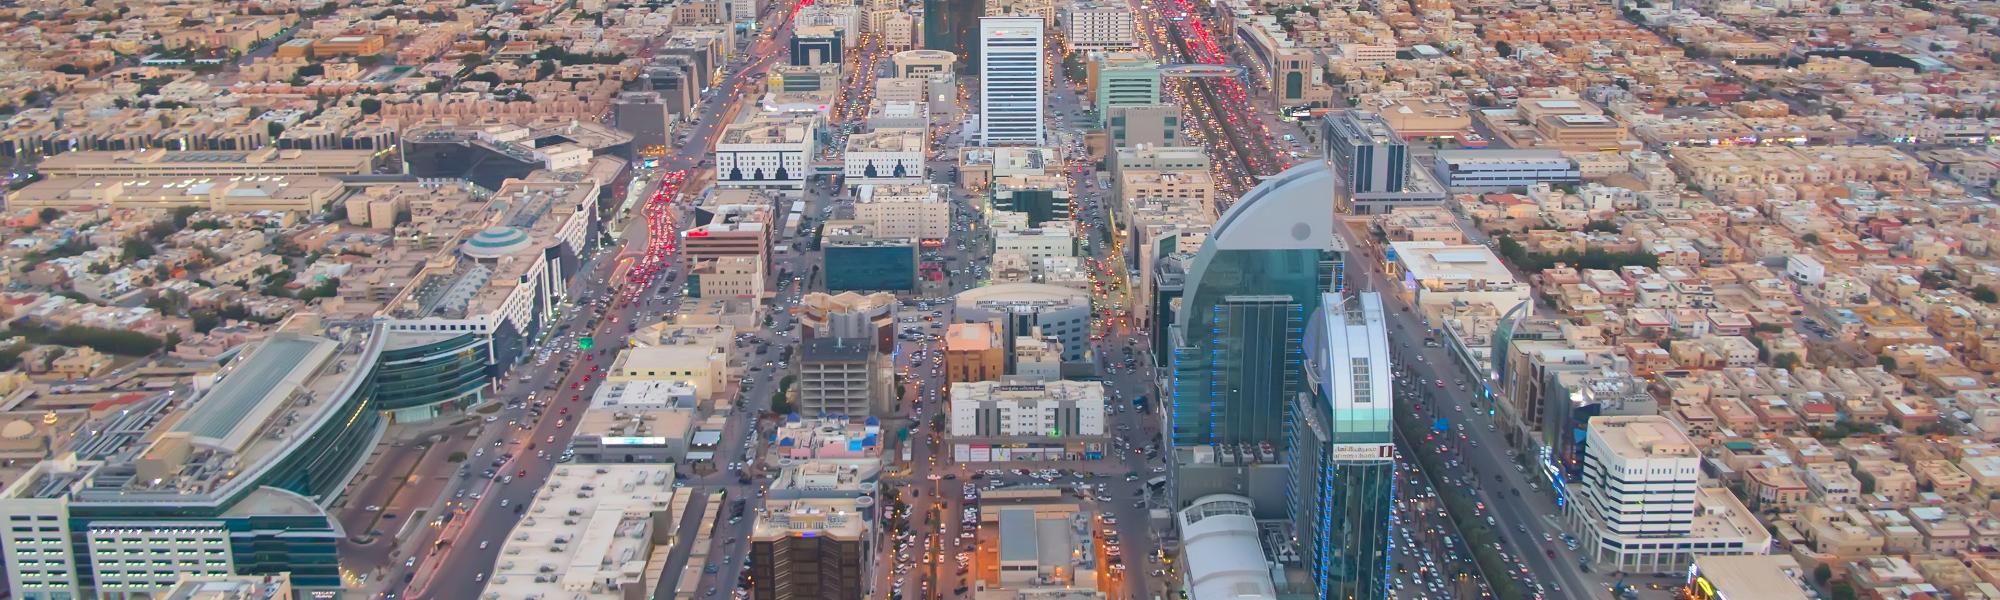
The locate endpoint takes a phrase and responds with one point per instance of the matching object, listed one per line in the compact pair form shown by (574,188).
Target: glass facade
(450,371)
(880,268)
(301,544)
(951,25)
(1236,364)
(1342,458)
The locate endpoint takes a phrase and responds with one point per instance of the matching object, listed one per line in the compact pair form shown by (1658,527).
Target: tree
(275,128)
(135,249)
(1985,294)
(205,320)
(109,341)
(1841,590)
(1503,48)
(1887,362)
(49,214)
(1810,238)
(1785,360)
(1601,226)
(1822,573)
(458,457)
(1768,328)
(370,106)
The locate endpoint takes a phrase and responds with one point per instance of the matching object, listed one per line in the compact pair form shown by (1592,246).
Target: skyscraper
(1011,79)
(950,24)
(1342,455)
(1238,337)
(1366,150)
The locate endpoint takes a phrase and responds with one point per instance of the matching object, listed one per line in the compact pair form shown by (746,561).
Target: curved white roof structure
(1224,560)
(1289,211)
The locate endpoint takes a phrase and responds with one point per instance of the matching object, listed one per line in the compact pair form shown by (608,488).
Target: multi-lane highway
(450,561)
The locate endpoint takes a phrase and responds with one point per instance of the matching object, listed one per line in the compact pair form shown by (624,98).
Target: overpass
(1200,70)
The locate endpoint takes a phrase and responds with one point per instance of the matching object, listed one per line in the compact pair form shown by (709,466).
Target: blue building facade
(1248,294)
(1342,455)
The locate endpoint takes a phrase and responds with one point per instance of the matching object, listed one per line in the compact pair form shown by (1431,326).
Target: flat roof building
(296,193)
(159,162)
(1438,274)
(1029,309)
(921,210)
(842,376)
(1639,506)
(813,549)
(638,421)
(588,534)
(1775,577)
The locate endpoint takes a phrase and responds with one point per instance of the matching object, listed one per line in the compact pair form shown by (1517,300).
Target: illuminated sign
(634,441)
(696,233)
(1363,452)
(1703,588)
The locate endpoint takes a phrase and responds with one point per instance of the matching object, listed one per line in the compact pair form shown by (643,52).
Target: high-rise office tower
(1011,79)
(1126,79)
(951,24)
(1370,156)
(1342,456)
(1238,336)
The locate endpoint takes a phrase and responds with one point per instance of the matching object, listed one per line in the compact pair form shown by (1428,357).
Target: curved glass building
(431,376)
(237,486)
(1247,297)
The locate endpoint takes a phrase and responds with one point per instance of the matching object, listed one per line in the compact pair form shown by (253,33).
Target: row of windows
(436,328)
(1615,544)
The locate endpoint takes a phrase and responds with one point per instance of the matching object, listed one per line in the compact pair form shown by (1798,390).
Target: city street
(451,549)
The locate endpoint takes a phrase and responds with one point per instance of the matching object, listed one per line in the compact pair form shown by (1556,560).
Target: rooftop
(888,139)
(1427,260)
(254,389)
(588,524)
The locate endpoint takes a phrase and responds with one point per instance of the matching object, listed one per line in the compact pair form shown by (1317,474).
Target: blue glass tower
(1342,451)
(1238,337)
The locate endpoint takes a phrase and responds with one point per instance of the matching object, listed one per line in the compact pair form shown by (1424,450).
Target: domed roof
(495,242)
(17,430)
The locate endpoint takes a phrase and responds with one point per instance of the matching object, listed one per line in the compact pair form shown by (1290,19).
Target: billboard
(1363,452)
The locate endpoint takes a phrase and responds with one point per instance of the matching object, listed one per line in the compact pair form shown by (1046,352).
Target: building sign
(1363,452)
(634,441)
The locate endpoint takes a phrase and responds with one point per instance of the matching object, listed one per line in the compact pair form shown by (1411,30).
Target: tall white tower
(1011,79)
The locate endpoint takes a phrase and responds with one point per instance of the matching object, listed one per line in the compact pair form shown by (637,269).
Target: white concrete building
(888,155)
(1437,275)
(768,150)
(1099,25)
(919,211)
(589,531)
(1639,506)
(1012,80)
(1042,242)
(1050,409)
